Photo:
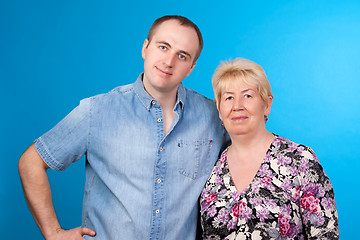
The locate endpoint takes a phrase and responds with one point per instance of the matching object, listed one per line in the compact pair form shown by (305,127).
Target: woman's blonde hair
(240,70)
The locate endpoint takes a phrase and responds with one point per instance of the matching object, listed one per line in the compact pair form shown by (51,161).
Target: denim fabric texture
(140,184)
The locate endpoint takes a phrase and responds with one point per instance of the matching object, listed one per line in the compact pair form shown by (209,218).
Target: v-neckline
(231,184)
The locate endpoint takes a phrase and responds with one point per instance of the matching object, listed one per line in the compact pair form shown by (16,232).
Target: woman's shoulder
(284,146)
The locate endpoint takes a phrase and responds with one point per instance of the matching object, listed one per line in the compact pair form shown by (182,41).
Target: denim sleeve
(67,141)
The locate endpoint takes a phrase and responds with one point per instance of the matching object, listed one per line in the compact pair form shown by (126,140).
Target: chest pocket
(194,158)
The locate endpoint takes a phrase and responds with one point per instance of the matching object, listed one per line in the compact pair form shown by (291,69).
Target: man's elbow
(30,160)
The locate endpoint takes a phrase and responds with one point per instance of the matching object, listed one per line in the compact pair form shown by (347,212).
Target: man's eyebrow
(181,51)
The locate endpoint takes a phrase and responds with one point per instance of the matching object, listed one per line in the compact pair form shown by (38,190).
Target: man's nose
(169,59)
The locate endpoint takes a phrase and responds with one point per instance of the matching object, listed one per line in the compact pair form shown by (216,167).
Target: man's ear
(145,45)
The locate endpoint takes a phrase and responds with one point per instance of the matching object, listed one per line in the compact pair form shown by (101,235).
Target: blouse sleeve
(317,200)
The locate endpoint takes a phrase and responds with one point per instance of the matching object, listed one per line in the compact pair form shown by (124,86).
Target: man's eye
(162,47)
(182,57)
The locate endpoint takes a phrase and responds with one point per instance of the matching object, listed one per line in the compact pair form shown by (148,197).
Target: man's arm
(35,182)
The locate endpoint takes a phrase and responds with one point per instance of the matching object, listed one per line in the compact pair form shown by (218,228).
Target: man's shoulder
(114,93)
(192,94)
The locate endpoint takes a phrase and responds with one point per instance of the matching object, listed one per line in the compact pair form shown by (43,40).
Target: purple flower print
(300,149)
(285,209)
(294,171)
(270,203)
(212,211)
(319,219)
(235,196)
(267,157)
(264,171)
(223,216)
(204,206)
(255,202)
(247,213)
(263,214)
(232,224)
(218,181)
(283,160)
(327,203)
(286,185)
(292,147)
(304,165)
(217,170)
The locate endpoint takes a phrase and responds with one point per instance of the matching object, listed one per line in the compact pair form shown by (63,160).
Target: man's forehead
(171,31)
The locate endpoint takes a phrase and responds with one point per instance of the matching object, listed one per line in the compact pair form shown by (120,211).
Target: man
(149,148)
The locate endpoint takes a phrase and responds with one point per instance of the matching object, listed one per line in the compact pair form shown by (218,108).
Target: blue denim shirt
(140,184)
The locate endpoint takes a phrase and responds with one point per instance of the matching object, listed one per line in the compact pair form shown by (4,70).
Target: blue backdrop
(55,53)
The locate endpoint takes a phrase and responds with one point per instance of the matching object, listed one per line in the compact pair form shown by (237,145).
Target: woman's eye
(229,98)
(248,96)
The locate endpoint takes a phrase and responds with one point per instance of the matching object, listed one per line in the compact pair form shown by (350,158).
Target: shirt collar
(147,100)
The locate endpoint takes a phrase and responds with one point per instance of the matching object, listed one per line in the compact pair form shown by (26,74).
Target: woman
(263,186)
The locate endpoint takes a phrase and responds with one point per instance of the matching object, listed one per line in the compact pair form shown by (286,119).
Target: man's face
(168,57)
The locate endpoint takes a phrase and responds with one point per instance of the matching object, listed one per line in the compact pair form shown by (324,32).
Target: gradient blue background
(55,53)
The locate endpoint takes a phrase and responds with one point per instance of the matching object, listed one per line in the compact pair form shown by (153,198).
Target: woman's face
(242,109)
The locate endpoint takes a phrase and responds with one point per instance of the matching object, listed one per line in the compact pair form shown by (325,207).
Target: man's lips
(163,71)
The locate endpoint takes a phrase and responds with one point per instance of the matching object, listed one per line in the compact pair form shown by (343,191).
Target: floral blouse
(290,198)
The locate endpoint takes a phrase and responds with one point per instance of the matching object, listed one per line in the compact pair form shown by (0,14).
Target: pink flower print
(235,210)
(285,229)
(266,181)
(308,201)
(223,158)
(210,198)
(296,192)
(283,219)
(238,209)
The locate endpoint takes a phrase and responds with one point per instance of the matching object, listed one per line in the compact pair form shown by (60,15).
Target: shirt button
(159,180)
(159,119)
(161,149)
(153,102)
(157,211)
